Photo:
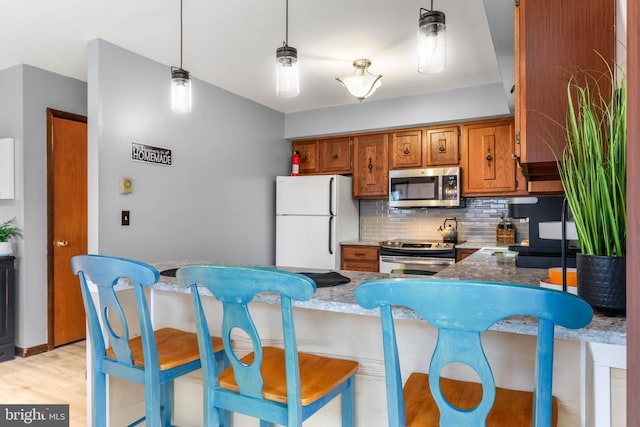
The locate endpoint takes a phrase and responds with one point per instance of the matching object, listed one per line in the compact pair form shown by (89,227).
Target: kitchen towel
(325,280)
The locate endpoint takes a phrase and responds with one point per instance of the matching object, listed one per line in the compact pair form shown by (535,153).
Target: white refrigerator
(313,215)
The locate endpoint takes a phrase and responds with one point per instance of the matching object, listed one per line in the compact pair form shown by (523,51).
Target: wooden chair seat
(512,408)
(175,348)
(318,375)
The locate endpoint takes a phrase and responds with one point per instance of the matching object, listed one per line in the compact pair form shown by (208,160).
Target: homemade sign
(150,154)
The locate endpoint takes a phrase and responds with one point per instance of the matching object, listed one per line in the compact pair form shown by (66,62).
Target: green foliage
(9,229)
(593,167)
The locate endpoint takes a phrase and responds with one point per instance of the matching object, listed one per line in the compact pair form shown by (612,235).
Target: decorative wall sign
(150,154)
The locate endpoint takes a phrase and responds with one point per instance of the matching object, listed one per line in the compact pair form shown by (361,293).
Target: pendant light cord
(181,34)
(286,23)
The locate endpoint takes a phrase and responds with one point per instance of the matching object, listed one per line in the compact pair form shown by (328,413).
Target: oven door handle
(417,261)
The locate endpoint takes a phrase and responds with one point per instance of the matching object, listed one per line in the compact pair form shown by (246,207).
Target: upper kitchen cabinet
(421,148)
(371,166)
(308,150)
(335,155)
(406,149)
(442,146)
(324,156)
(488,163)
(553,40)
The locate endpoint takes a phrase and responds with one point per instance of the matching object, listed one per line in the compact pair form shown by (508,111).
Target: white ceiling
(232,43)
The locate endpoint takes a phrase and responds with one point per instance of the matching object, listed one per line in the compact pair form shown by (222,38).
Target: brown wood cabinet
(360,258)
(425,147)
(442,146)
(335,155)
(324,156)
(463,253)
(553,39)
(308,150)
(488,162)
(405,149)
(371,166)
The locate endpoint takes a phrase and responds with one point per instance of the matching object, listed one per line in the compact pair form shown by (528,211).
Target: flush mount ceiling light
(432,41)
(180,82)
(361,83)
(287,78)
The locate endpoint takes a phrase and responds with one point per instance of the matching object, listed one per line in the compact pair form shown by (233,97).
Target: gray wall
(216,202)
(27,93)
(441,107)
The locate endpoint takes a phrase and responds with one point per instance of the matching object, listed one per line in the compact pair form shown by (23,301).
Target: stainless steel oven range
(414,257)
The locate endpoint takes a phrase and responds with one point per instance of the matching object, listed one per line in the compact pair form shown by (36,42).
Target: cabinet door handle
(334,157)
(406,151)
(442,149)
(370,166)
(489,157)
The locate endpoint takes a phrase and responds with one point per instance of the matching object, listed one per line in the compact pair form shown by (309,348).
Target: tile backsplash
(476,222)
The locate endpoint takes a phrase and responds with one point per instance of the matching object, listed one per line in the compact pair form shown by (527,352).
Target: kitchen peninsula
(332,323)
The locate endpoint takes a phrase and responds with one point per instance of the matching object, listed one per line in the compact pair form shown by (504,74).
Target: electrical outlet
(125,218)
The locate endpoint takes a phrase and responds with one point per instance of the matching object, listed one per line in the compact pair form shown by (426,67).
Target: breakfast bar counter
(485,265)
(332,323)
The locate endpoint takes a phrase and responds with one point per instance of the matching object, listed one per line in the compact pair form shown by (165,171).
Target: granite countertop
(482,265)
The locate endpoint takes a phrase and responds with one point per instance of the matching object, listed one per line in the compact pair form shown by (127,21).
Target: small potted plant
(8,229)
(593,172)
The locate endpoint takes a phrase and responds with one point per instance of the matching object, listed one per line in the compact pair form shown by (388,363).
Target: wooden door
(67,223)
(442,147)
(490,164)
(335,155)
(406,149)
(308,156)
(371,166)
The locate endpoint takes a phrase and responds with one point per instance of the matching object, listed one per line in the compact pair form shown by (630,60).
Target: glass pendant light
(287,76)
(432,41)
(180,82)
(361,84)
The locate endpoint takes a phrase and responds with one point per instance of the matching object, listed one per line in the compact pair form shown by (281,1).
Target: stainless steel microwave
(422,188)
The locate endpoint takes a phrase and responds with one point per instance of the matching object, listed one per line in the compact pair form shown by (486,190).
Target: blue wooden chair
(277,386)
(153,359)
(461,310)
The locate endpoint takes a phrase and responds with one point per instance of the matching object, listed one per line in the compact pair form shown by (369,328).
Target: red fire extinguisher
(295,164)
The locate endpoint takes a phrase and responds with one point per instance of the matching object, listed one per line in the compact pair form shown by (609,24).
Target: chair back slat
(105,272)
(248,377)
(454,345)
(235,287)
(461,310)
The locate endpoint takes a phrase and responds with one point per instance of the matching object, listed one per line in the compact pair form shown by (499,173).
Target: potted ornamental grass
(593,170)
(8,230)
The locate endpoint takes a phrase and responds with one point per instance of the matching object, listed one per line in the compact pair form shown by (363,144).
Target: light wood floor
(54,377)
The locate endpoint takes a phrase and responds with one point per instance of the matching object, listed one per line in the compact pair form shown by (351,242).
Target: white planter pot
(6,248)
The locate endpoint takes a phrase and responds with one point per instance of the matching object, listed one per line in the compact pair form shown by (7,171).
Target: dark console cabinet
(7,308)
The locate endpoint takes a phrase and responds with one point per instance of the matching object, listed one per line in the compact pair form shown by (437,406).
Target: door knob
(62,243)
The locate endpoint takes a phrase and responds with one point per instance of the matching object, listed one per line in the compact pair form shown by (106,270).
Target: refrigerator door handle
(331,196)
(330,235)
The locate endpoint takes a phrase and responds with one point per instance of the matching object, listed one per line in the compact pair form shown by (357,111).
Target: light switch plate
(126,186)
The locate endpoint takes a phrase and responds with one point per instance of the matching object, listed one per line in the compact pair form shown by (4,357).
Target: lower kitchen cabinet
(360,258)
(463,253)
(7,308)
